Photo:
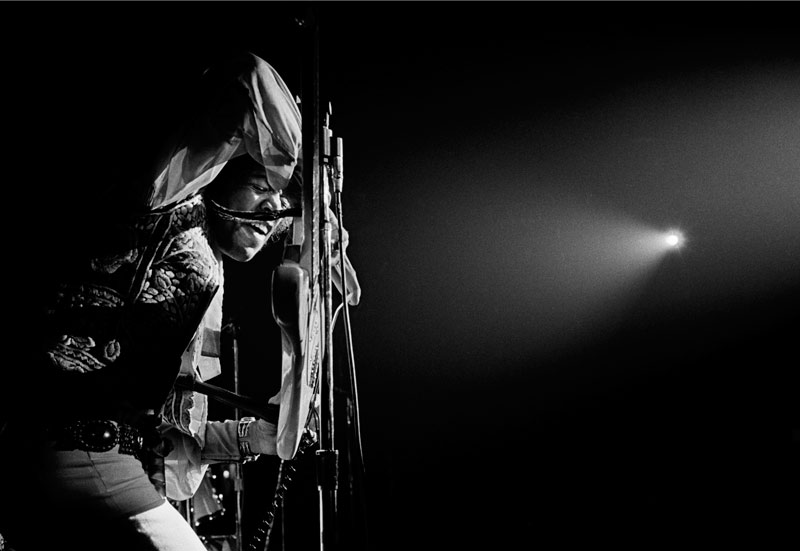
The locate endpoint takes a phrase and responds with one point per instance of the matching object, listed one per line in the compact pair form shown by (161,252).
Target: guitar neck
(268,412)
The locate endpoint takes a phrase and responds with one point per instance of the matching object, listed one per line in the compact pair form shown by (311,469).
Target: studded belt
(98,436)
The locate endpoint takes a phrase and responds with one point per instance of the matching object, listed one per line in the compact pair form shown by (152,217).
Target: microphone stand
(327,455)
(315,189)
(237,474)
(323,169)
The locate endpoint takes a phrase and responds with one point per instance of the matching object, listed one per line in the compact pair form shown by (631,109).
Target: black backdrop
(464,448)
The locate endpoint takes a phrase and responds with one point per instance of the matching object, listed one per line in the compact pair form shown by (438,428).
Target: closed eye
(261,189)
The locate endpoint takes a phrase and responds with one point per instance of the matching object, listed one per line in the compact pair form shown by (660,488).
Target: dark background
(525,373)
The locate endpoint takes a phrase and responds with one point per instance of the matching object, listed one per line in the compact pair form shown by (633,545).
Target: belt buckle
(97,436)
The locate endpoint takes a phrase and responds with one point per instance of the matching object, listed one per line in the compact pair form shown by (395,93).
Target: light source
(674,239)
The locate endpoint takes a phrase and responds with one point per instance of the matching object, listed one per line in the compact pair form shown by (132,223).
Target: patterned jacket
(116,331)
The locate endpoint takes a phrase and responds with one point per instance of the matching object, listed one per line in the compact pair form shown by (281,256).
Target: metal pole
(315,183)
(236,468)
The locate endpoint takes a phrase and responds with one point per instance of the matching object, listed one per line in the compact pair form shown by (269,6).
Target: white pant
(159,529)
(163,529)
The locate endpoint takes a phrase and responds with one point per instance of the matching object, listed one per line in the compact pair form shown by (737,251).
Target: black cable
(348,331)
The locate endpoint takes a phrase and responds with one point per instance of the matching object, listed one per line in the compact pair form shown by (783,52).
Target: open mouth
(259,228)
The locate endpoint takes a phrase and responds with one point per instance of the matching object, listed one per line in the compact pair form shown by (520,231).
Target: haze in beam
(591,268)
(530,272)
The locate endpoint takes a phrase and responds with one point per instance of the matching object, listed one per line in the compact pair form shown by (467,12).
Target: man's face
(246,190)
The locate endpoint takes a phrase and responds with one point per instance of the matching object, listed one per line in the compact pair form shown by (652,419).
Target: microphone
(254,216)
(338,166)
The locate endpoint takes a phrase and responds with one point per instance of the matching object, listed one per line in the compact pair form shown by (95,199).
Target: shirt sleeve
(196,441)
(183,467)
(186,464)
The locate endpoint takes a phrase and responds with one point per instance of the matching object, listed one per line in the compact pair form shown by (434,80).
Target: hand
(353,287)
(262,437)
(334,222)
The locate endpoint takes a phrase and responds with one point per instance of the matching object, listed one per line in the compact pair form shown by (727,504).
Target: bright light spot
(674,239)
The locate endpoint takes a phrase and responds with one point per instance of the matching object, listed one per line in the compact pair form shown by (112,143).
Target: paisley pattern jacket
(118,330)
